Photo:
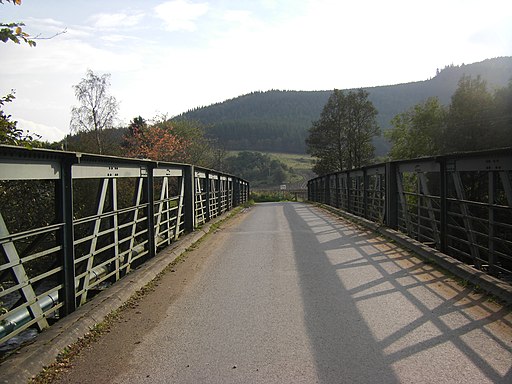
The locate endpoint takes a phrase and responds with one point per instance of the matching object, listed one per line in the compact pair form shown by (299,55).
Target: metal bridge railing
(72,224)
(460,204)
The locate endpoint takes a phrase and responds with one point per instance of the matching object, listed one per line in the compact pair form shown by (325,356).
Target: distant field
(302,164)
(296,161)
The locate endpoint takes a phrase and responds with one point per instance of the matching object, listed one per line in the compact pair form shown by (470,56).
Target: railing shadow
(374,313)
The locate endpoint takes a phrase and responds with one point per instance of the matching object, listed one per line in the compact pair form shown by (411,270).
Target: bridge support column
(150,220)
(327,188)
(189,198)
(391,196)
(208,199)
(443,215)
(365,193)
(64,208)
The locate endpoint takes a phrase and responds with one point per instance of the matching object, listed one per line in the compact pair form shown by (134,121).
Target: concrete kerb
(32,358)
(478,279)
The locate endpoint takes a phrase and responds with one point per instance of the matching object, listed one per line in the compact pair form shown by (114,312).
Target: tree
(468,121)
(361,128)
(501,119)
(196,147)
(179,141)
(185,139)
(156,142)
(98,109)
(342,137)
(258,168)
(418,131)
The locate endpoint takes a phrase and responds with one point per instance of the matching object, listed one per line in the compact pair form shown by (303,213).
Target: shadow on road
(375,314)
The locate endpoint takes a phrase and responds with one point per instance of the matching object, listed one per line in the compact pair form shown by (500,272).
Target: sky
(166,57)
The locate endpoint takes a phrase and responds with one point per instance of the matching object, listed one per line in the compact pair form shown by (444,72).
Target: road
(287,293)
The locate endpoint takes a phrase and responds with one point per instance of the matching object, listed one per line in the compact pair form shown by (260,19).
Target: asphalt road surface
(287,293)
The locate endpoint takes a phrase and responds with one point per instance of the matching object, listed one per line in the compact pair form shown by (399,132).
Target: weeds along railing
(72,224)
(460,204)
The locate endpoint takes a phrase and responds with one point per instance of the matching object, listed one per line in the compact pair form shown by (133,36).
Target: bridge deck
(287,293)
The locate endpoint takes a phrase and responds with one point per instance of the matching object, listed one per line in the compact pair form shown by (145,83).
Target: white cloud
(47,133)
(116,20)
(236,15)
(241,47)
(181,14)
(44,22)
(116,38)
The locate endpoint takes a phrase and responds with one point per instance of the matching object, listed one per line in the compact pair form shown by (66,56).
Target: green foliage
(158,139)
(179,141)
(258,168)
(85,141)
(475,120)
(275,121)
(469,117)
(14,31)
(342,137)
(418,131)
(270,196)
(501,117)
(199,149)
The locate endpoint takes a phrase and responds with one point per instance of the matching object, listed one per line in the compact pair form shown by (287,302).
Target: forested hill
(278,121)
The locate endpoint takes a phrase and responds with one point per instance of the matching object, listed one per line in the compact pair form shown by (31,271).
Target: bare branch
(39,37)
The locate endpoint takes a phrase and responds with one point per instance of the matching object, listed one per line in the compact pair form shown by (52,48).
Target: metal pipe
(22,316)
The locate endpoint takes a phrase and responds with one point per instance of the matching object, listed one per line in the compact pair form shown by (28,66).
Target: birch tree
(97,110)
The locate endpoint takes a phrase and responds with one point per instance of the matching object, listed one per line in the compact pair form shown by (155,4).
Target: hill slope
(279,120)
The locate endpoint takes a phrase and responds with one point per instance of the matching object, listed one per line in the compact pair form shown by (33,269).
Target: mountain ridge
(278,120)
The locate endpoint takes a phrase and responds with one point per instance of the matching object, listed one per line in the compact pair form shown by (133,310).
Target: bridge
(284,292)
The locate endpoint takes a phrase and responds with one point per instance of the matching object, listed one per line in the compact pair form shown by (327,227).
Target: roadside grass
(271,196)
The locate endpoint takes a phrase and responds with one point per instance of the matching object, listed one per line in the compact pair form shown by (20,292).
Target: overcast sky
(166,57)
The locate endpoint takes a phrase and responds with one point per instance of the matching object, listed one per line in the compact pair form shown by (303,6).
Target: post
(365,192)
(349,187)
(443,216)
(64,206)
(207,192)
(327,195)
(189,198)
(337,186)
(236,192)
(219,194)
(150,222)
(490,235)
(391,191)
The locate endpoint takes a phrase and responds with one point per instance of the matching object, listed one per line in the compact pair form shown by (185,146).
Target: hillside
(279,120)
